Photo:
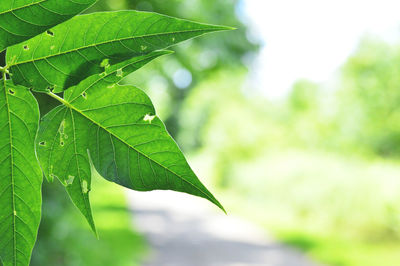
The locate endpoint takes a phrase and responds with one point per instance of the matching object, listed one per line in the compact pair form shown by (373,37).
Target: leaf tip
(222,28)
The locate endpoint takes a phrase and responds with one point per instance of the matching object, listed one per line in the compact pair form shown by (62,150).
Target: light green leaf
(77,47)
(61,148)
(116,128)
(21,20)
(20,174)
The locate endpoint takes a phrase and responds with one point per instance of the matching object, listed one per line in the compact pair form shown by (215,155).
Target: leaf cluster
(99,125)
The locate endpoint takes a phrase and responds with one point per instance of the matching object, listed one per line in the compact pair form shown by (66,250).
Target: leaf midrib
(68,105)
(111,73)
(21,7)
(111,41)
(12,172)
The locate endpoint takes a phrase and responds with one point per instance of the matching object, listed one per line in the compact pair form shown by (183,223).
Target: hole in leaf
(11,91)
(26,47)
(119,72)
(62,126)
(105,63)
(61,143)
(70,180)
(50,33)
(84,95)
(148,118)
(52,177)
(42,143)
(85,187)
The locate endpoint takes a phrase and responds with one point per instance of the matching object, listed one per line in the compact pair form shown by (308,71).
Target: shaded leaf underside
(21,177)
(22,19)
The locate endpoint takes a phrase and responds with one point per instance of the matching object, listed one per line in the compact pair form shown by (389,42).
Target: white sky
(312,38)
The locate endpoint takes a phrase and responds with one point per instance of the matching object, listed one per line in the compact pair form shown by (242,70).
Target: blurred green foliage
(370,95)
(319,168)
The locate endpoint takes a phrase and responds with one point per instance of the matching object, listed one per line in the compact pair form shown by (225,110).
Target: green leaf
(61,149)
(78,46)
(20,174)
(114,127)
(21,20)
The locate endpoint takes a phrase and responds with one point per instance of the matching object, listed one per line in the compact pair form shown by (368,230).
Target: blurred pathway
(187,231)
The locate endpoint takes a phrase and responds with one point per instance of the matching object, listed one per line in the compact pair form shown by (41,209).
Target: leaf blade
(74,175)
(59,61)
(144,157)
(24,19)
(20,195)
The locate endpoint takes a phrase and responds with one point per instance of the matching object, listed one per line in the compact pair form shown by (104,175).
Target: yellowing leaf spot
(143,47)
(52,47)
(15,213)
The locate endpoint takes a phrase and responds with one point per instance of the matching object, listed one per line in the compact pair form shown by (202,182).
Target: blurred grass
(340,211)
(70,241)
(306,168)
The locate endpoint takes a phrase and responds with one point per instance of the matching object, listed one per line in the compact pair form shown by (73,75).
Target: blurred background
(293,120)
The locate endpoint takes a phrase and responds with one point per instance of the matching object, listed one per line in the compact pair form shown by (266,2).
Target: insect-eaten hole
(10,91)
(120,73)
(42,143)
(148,118)
(50,33)
(84,96)
(105,63)
(84,187)
(61,143)
(70,180)
(26,47)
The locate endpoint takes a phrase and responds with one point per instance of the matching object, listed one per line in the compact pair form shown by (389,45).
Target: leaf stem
(58,98)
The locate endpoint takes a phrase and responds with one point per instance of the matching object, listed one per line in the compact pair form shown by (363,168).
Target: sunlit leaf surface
(22,19)
(20,174)
(74,50)
(116,128)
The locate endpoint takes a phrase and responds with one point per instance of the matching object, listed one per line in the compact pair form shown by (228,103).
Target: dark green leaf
(20,174)
(76,48)
(21,20)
